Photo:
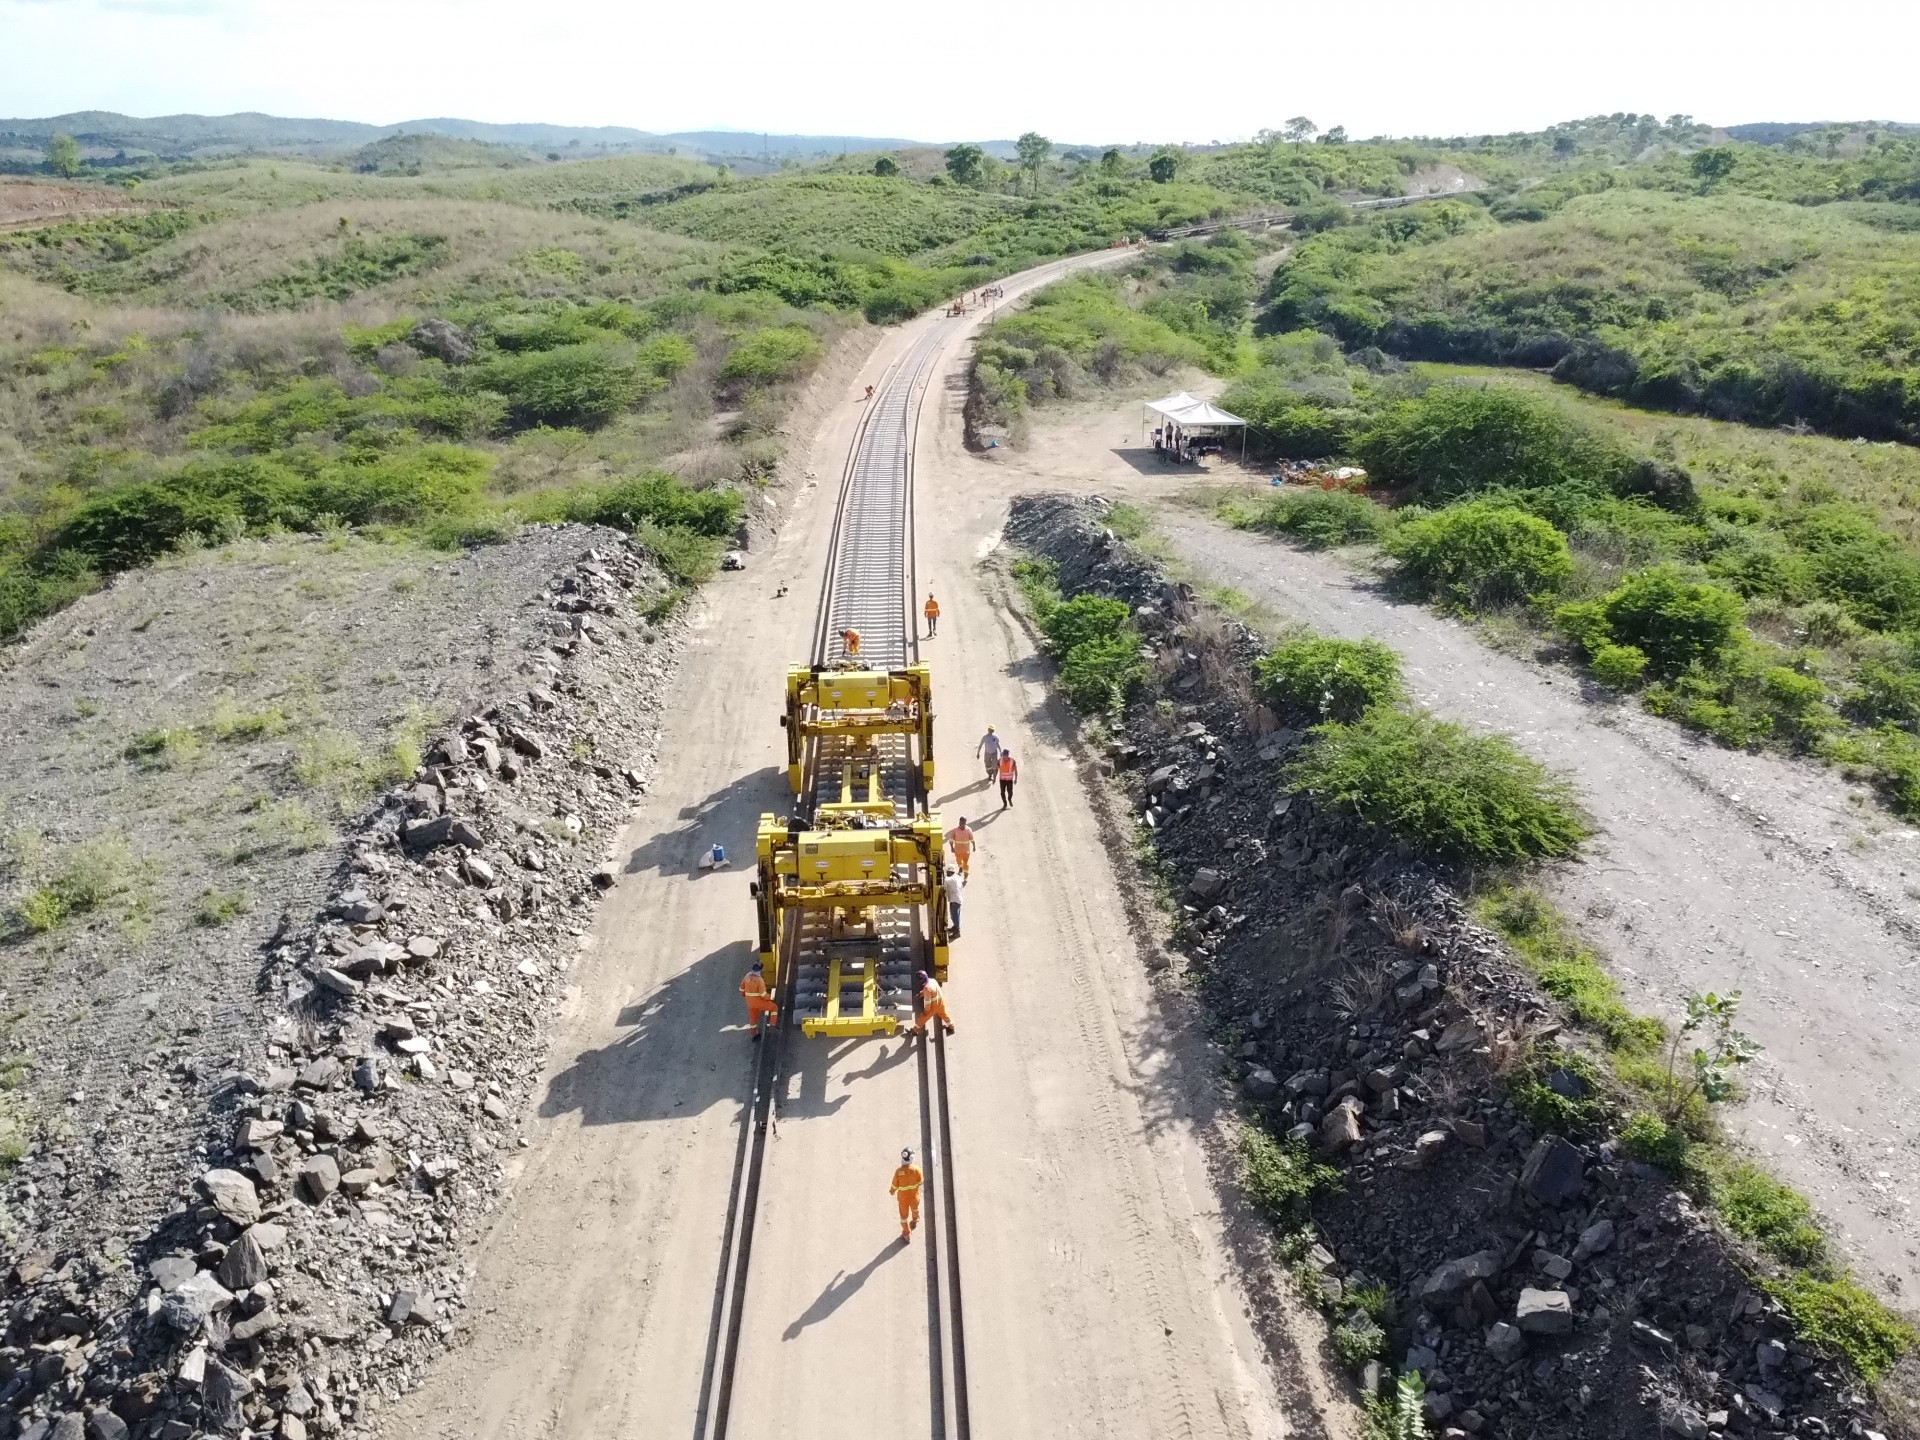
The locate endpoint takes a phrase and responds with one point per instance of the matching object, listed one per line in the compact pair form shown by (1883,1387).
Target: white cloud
(1119,70)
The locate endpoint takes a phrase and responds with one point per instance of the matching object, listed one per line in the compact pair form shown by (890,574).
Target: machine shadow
(729,817)
(673,1058)
(812,1074)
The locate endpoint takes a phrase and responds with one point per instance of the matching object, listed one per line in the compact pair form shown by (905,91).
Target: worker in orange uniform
(753,989)
(850,639)
(960,841)
(906,1189)
(932,611)
(1009,773)
(933,1005)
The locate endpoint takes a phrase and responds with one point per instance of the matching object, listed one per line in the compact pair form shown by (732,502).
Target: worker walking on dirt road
(906,1189)
(960,841)
(950,886)
(753,989)
(933,1005)
(932,611)
(989,747)
(1009,775)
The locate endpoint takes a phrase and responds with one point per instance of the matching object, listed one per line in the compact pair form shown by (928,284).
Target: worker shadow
(820,1087)
(677,1053)
(841,1289)
(985,818)
(947,799)
(730,816)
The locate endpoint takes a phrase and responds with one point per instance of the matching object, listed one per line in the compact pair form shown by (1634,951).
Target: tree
(886,165)
(1300,129)
(1336,136)
(1112,162)
(1713,164)
(965,163)
(63,155)
(1162,166)
(1678,123)
(1033,149)
(1564,145)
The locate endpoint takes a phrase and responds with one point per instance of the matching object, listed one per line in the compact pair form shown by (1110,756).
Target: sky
(1117,71)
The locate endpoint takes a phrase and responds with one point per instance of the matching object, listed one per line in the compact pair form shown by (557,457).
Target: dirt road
(1100,1300)
(1715,870)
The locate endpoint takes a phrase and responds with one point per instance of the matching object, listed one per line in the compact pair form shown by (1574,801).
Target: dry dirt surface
(25,204)
(1715,869)
(1100,1296)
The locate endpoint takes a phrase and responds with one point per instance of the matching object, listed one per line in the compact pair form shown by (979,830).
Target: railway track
(870,585)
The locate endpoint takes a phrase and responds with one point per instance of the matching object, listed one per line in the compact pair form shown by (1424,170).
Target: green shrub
(1039,582)
(217,908)
(1321,518)
(1129,522)
(1281,1180)
(1357,1343)
(1674,621)
(1567,969)
(1759,1208)
(656,498)
(584,385)
(1482,553)
(1648,1138)
(1085,617)
(1327,678)
(1536,1085)
(685,556)
(1101,672)
(769,356)
(1840,1318)
(1440,788)
(1618,667)
(1456,440)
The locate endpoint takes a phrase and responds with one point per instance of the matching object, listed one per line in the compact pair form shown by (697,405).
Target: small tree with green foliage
(1300,129)
(1704,1054)
(1163,166)
(1713,165)
(1112,163)
(63,155)
(1336,136)
(1482,553)
(1033,149)
(1328,678)
(966,164)
(1672,620)
(886,166)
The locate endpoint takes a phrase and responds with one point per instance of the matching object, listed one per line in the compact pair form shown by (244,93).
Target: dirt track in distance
(1101,1299)
(1714,870)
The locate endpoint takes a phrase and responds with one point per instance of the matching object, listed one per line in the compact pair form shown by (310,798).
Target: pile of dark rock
(1543,1285)
(309,1266)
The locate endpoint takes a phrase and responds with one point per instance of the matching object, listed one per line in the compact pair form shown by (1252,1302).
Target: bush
(687,557)
(1759,1208)
(1482,553)
(583,385)
(1085,617)
(1674,621)
(1567,969)
(1558,1091)
(1649,1138)
(766,357)
(1357,1343)
(1844,1320)
(1321,518)
(1440,788)
(1328,679)
(656,498)
(1618,667)
(1456,440)
(1101,672)
(1281,1180)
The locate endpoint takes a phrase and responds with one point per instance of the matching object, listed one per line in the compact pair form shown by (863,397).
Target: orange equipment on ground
(933,1005)
(753,989)
(906,1189)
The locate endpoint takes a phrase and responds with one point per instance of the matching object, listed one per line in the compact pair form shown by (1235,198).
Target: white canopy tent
(1185,418)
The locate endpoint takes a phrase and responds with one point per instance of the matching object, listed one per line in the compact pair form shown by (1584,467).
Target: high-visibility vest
(931,994)
(1007,770)
(907,1177)
(754,986)
(851,639)
(932,607)
(960,841)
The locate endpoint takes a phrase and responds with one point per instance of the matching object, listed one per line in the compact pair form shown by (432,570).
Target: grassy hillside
(1782,290)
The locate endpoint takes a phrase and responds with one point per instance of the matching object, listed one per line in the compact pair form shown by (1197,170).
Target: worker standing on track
(753,989)
(850,641)
(932,611)
(933,1005)
(989,747)
(906,1189)
(960,841)
(951,888)
(1009,774)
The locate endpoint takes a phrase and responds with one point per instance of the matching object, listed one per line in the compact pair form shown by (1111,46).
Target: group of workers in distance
(761,1005)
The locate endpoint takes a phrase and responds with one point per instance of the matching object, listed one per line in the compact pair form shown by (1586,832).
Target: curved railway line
(870,584)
